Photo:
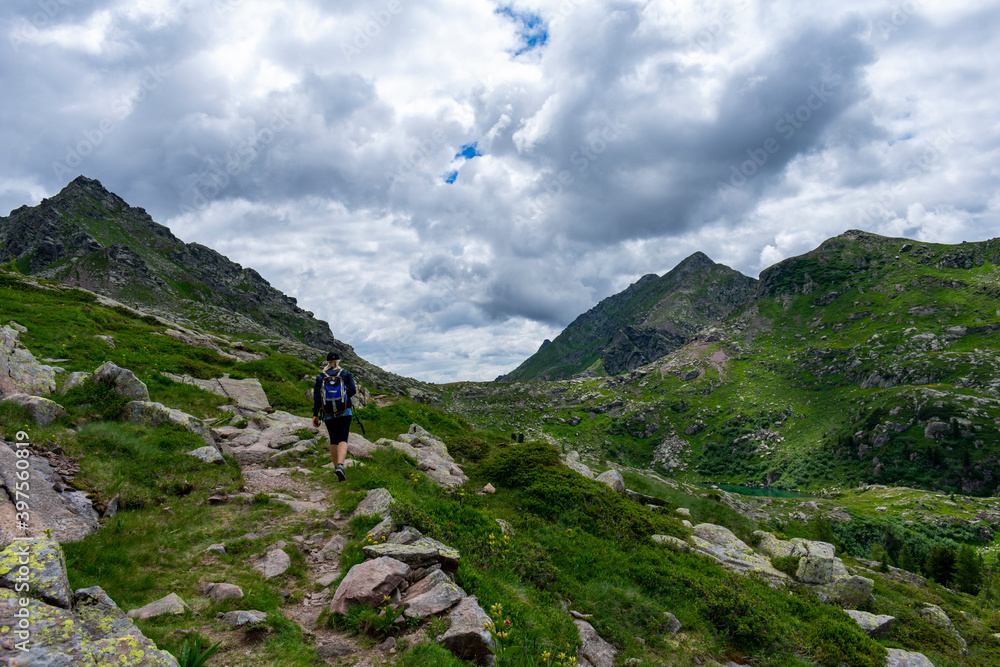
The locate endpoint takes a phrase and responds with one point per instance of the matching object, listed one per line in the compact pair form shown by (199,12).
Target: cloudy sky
(449,182)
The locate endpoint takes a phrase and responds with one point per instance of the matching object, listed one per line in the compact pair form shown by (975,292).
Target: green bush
(94,401)
(744,611)
(838,642)
(787,564)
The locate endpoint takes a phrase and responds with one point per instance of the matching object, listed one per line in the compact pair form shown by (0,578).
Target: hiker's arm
(317,396)
(351,388)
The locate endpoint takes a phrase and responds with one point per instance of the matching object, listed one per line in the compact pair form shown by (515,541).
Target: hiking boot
(339,471)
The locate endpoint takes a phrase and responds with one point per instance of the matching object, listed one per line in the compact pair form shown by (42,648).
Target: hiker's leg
(333,438)
(341,452)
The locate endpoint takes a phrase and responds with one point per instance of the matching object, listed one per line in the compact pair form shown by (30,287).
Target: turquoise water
(760,491)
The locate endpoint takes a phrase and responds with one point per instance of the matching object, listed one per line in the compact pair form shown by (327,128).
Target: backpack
(334,394)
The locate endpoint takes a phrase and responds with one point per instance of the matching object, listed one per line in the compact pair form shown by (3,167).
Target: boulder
(20,372)
(815,570)
(430,454)
(155,414)
(613,479)
(674,543)
(124,381)
(732,553)
(42,411)
(246,394)
(332,548)
(359,447)
(673,625)
(851,592)
(207,454)
(242,617)
(935,615)
(875,625)
(74,380)
(68,514)
(579,466)
(376,503)
(172,605)
(367,583)
(420,553)
(467,637)
(115,639)
(431,595)
(219,592)
(594,649)
(899,658)
(39,563)
(275,563)
(95,634)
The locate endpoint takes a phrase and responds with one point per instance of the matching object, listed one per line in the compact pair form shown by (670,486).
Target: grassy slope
(574,540)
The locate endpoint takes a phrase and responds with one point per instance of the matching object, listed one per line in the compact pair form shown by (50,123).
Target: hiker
(332,399)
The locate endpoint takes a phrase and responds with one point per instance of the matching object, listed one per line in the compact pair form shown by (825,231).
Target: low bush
(838,642)
(744,611)
(787,564)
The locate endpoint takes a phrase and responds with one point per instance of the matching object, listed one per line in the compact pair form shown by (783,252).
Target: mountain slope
(867,360)
(88,237)
(652,317)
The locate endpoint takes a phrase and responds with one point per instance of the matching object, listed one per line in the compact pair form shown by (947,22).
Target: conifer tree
(968,570)
(940,565)
(905,558)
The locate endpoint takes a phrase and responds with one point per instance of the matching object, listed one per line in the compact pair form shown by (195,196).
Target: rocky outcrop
(934,615)
(245,394)
(899,658)
(20,372)
(368,583)
(721,545)
(431,455)
(171,605)
(46,624)
(65,513)
(669,453)
(874,625)
(613,479)
(124,381)
(467,636)
(594,651)
(155,414)
(573,462)
(266,436)
(423,552)
(42,411)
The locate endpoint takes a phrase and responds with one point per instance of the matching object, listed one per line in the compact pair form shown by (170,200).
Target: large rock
(899,658)
(771,546)
(207,454)
(124,381)
(171,605)
(275,563)
(613,479)
(74,380)
(367,583)
(875,625)
(96,634)
(935,615)
(850,592)
(20,372)
(242,617)
(467,637)
(156,414)
(573,462)
(42,411)
(116,640)
(66,514)
(246,394)
(422,552)
(594,649)
(218,592)
(731,552)
(376,503)
(815,570)
(431,595)
(431,455)
(360,447)
(39,563)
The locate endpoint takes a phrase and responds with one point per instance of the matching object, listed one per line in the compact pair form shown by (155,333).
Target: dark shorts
(339,428)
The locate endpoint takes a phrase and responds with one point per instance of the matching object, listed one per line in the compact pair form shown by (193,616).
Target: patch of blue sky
(905,137)
(532,30)
(467,152)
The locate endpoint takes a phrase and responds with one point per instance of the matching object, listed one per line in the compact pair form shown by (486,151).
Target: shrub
(841,642)
(742,611)
(787,564)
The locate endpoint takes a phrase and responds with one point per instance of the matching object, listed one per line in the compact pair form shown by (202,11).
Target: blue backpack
(334,394)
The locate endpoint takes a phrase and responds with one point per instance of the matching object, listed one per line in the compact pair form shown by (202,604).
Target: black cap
(332,356)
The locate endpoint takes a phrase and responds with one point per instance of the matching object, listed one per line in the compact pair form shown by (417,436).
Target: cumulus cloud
(483,172)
